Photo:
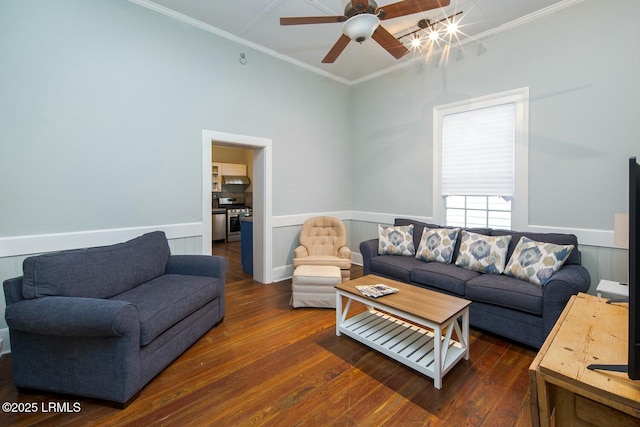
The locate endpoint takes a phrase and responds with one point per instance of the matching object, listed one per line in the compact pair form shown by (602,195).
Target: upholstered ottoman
(313,286)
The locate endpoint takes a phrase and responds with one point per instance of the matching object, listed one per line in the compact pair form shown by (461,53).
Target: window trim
(466,209)
(520,97)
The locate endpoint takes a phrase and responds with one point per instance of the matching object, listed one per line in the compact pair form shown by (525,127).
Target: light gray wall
(104,102)
(581,65)
(102,107)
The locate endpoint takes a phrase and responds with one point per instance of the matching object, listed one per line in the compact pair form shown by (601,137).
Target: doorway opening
(262,192)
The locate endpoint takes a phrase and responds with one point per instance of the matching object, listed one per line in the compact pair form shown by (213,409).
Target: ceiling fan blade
(409,7)
(337,49)
(301,20)
(389,42)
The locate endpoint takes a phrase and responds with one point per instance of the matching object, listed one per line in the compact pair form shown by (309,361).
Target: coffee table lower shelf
(406,342)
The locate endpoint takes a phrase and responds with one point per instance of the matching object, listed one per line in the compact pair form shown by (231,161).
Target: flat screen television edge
(633,364)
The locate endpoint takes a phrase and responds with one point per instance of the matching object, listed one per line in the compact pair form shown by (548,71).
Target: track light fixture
(433,32)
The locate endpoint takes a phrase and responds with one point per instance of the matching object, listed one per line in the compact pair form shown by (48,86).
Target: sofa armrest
(568,281)
(73,317)
(300,252)
(198,265)
(13,290)
(574,279)
(344,252)
(368,250)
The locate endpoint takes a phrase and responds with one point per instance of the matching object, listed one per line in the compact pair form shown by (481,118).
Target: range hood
(235,180)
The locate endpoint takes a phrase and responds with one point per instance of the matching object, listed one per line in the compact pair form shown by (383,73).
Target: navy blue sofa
(102,322)
(513,308)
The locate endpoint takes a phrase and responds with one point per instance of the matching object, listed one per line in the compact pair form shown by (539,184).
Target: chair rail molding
(41,243)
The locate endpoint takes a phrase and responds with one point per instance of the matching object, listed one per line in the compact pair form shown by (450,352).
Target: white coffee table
(407,326)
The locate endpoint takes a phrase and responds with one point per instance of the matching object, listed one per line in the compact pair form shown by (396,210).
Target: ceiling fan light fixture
(360,27)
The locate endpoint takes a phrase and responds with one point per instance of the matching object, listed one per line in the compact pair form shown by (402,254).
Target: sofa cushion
(99,272)
(396,240)
(535,261)
(556,238)
(418,227)
(506,291)
(395,267)
(342,263)
(485,254)
(164,301)
(437,244)
(484,231)
(447,277)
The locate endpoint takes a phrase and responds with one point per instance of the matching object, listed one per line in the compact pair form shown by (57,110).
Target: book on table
(376,291)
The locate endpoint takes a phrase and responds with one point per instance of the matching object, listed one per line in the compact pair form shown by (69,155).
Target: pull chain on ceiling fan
(362,20)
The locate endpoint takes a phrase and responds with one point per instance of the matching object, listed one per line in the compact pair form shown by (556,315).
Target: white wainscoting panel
(602,259)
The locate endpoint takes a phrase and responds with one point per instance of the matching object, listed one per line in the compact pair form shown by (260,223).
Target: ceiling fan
(362,20)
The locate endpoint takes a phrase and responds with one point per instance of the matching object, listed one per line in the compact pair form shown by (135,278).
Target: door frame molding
(262,196)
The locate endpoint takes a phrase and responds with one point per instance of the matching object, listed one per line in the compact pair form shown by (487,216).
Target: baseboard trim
(5,345)
(282,273)
(356,258)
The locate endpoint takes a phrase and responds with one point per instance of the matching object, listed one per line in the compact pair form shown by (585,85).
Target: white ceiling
(255,23)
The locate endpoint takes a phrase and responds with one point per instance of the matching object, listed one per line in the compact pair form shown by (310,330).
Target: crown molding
(468,40)
(231,37)
(549,10)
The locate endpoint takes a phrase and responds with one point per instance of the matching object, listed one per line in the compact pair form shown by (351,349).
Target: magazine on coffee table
(376,291)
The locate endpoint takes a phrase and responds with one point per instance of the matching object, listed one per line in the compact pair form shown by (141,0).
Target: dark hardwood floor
(269,364)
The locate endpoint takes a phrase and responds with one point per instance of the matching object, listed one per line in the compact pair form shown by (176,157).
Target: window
(480,162)
(477,211)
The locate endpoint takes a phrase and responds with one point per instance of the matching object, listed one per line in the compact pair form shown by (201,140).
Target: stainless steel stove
(236,209)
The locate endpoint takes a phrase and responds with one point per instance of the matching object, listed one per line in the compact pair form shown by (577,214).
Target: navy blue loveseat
(102,322)
(513,308)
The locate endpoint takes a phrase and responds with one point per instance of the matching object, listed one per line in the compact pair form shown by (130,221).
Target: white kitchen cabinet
(234,169)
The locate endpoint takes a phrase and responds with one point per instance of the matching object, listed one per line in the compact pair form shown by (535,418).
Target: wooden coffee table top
(430,305)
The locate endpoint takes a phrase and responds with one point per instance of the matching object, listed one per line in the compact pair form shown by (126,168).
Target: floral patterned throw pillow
(486,254)
(437,244)
(536,261)
(396,240)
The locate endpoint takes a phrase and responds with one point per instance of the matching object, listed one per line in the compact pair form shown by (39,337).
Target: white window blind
(478,152)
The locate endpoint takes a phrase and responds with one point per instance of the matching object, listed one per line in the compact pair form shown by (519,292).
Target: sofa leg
(23,390)
(122,405)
